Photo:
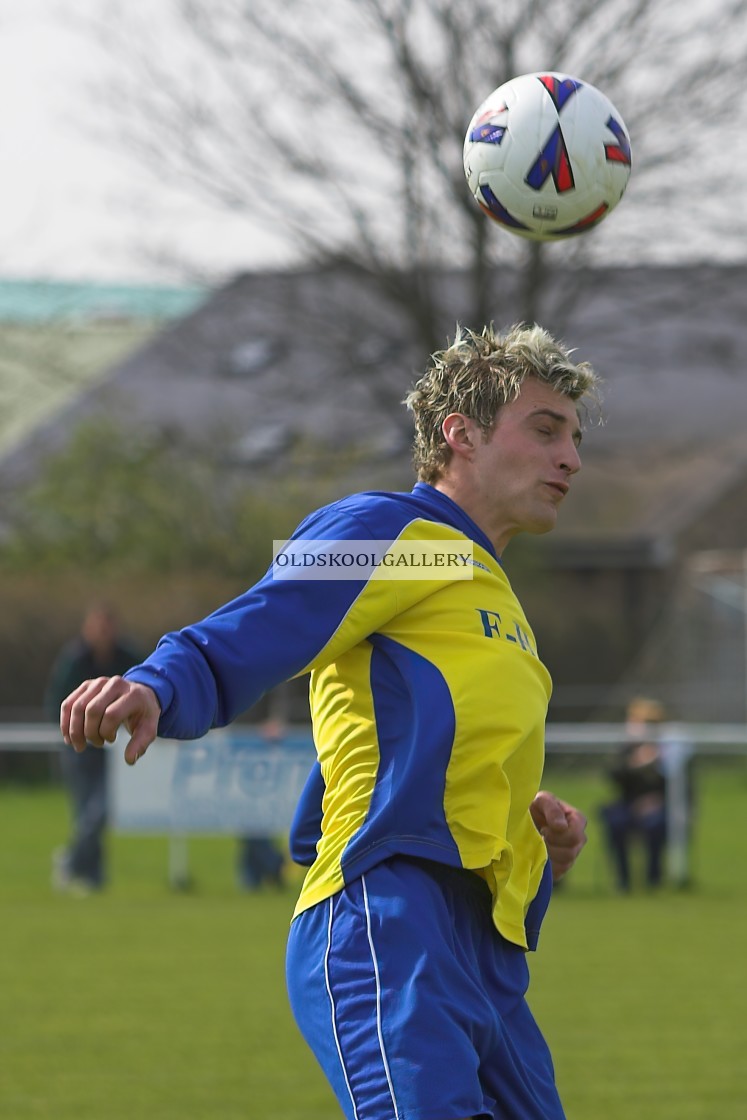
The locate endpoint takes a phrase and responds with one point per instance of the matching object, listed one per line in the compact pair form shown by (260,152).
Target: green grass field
(143,1002)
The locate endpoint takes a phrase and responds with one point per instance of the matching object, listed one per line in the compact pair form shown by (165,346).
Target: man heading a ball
(430,849)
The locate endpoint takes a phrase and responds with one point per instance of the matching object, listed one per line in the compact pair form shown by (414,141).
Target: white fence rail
(561,738)
(233,781)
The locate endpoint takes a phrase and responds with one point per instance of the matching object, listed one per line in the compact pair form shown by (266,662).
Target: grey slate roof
(275,358)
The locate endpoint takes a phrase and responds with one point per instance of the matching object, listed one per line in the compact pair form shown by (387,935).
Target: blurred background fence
(234,782)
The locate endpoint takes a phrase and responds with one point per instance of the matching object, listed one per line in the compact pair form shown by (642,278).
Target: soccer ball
(547,156)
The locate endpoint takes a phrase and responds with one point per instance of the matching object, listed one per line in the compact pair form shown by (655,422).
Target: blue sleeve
(209,673)
(306,826)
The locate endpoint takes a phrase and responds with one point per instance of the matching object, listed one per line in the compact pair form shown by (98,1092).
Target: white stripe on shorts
(332,1006)
(382,1048)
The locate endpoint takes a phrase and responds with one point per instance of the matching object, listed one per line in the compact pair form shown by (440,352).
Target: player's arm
(94,712)
(207,674)
(563,828)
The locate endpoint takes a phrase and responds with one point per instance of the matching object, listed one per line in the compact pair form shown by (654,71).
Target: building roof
(631,507)
(274,360)
(41,301)
(58,337)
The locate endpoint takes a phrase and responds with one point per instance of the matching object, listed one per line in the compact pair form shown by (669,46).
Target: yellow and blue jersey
(428,702)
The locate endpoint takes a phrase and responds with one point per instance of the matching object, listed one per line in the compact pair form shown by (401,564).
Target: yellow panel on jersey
(429,725)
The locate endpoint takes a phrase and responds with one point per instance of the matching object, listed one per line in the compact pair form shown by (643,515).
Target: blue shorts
(414,1004)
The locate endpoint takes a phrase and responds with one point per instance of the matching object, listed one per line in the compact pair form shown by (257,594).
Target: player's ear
(460,433)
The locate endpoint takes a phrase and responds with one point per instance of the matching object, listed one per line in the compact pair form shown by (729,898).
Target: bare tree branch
(341,128)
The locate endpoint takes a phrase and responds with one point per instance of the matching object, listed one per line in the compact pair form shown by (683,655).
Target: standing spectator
(260,859)
(98,651)
(639,809)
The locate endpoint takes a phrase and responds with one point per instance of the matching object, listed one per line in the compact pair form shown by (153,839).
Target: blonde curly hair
(479,373)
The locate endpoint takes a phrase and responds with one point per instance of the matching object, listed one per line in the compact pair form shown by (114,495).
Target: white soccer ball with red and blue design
(547,156)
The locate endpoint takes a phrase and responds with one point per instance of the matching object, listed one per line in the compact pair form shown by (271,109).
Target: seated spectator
(638,813)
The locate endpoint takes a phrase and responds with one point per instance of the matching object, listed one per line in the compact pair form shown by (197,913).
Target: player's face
(522,471)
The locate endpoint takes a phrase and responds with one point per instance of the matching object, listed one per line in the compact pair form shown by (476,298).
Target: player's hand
(95,711)
(563,829)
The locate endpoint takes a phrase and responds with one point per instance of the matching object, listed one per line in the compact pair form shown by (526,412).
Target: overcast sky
(53,185)
(66,206)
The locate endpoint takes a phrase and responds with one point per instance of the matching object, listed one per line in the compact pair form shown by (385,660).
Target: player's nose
(570,458)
